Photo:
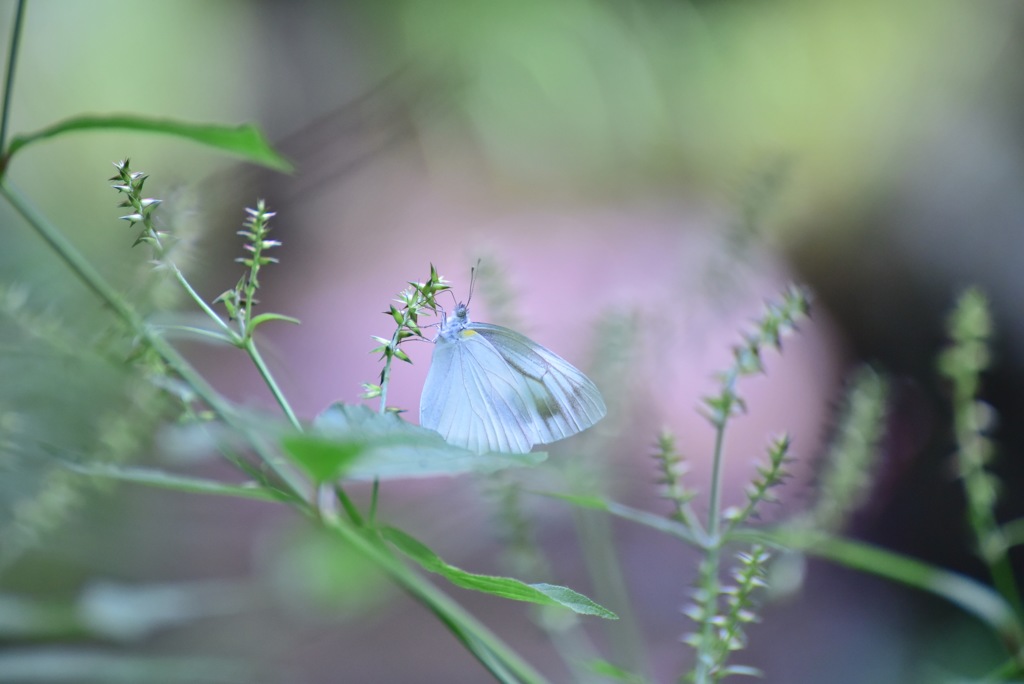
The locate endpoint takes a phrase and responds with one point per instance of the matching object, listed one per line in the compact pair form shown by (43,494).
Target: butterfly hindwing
(562,400)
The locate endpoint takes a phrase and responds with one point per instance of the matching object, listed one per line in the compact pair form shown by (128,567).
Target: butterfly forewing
(474,399)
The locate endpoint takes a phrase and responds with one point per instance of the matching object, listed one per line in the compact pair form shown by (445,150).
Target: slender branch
(715,502)
(490,650)
(712,558)
(12,58)
(487,647)
(78,264)
(969,594)
(385,382)
(201,303)
(261,366)
(92,279)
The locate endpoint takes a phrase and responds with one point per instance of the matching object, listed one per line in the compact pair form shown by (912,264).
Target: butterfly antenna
(472,281)
(455,302)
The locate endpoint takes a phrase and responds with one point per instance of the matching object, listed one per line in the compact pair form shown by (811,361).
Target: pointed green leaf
(657,522)
(573,600)
(181,483)
(263,318)
(611,671)
(504,587)
(742,670)
(245,141)
(592,502)
(371,390)
(202,333)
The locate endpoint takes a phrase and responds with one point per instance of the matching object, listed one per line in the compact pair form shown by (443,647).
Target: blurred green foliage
(635,96)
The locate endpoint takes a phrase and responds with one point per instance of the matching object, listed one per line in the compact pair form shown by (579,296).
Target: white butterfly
(491,389)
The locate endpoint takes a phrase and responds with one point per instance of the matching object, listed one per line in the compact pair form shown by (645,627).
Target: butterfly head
(454,323)
(458,321)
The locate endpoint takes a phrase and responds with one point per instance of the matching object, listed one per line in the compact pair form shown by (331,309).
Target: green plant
(309,466)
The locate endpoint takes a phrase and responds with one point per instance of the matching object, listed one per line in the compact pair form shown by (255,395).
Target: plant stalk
(12,60)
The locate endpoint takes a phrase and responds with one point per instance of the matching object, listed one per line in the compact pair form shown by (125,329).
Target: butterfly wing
(561,400)
(474,399)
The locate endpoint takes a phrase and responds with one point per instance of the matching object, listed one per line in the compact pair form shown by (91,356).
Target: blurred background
(637,179)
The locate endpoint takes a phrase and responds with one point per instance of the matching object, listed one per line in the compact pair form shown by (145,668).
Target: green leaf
(371,390)
(181,483)
(322,458)
(263,318)
(972,596)
(245,141)
(504,587)
(652,520)
(573,600)
(742,670)
(194,332)
(591,502)
(611,671)
(393,448)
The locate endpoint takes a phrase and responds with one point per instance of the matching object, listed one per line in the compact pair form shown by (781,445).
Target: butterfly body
(490,388)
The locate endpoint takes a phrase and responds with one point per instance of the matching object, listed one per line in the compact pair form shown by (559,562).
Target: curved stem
(92,279)
(972,596)
(201,303)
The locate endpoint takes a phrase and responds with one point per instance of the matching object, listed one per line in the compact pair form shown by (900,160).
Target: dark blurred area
(644,172)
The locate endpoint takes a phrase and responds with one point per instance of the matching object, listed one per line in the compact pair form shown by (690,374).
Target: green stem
(261,366)
(972,596)
(712,558)
(395,339)
(249,345)
(715,502)
(385,376)
(487,647)
(385,379)
(12,60)
(71,256)
(201,303)
(374,500)
(92,279)
(490,650)
(969,437)
(602,563)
